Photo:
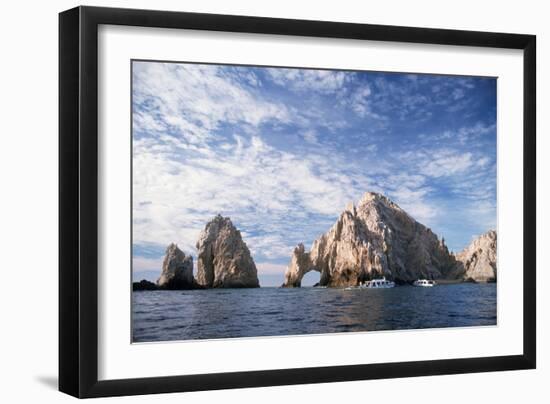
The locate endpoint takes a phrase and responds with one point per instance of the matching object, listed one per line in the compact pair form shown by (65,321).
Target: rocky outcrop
(177,270)
(376,238)
(223,259)
(478,261)
(144,284)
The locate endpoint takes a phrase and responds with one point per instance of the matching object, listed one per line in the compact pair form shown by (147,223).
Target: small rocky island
(224,261)
(378,238)
(478,261)
(177,270)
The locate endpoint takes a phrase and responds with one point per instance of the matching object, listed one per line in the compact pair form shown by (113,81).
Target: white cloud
(323,81)
(371,148)
(458,93)
(411,193)
(469,134)
(185,172)
(253,183)
(195,100)
(445,163)
(421,211)
(360,102)
(435,163)
(483,161)
(310,136)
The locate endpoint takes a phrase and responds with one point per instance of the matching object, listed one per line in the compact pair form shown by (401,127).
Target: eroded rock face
(224,260)
(376,238)
(478,261)
(300,264)
(177,270)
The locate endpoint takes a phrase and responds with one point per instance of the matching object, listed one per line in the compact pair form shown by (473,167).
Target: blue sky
(281,152)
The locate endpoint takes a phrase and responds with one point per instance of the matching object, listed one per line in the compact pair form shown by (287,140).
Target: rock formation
(224,260)
(478,261)
(144,284)
(376,238)
(177,270)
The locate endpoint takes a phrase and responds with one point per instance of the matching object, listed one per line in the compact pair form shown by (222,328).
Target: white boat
(381,283)
(426,283)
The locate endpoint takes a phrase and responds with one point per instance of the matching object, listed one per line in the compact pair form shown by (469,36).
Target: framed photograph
(250,201)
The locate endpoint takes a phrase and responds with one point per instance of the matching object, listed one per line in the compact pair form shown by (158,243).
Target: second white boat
(425,283)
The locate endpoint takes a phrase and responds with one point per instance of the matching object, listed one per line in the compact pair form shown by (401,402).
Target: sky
(281,151)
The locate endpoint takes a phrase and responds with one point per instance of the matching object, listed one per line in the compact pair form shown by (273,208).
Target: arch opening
(311,278)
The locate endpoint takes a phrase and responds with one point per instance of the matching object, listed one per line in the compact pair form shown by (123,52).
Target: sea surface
(231,313)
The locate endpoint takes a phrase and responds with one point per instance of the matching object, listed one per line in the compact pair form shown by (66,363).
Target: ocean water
(230,313)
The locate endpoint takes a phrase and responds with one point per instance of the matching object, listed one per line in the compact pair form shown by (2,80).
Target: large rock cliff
(224,260)
(177,270)
(478,261)
(376,238)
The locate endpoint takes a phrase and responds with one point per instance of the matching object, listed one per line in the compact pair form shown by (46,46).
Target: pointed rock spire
(177,269)
(224,260)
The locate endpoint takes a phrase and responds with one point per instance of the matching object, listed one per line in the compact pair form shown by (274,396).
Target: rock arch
(376,238)
(301,264)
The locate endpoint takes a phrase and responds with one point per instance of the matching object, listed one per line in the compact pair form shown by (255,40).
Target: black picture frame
(78,200)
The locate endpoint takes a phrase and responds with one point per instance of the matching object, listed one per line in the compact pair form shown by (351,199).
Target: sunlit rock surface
(478,261)
(177,270)
(373,239)
(224,260)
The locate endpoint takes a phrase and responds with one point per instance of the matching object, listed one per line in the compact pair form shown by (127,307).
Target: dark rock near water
(144,285)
